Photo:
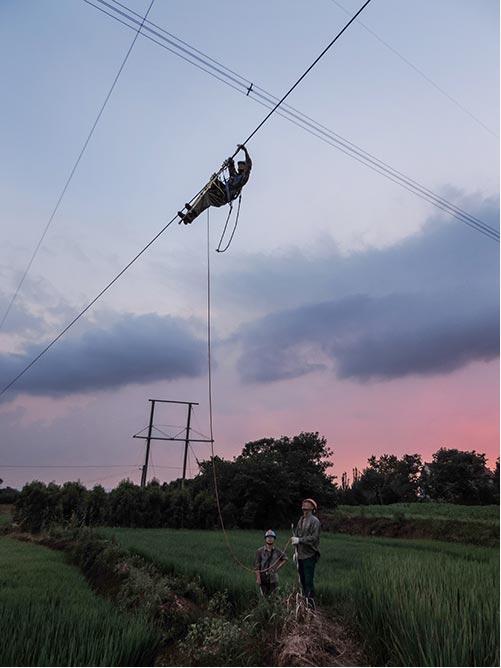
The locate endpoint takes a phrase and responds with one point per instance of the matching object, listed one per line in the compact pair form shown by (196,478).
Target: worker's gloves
(295,540)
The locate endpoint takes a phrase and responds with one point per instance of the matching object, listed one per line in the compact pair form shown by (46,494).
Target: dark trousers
(268,587)
(306,569)
(215,195)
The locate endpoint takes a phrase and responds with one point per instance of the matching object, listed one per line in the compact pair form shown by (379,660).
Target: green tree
(97,506)
(389,479)
(459,476)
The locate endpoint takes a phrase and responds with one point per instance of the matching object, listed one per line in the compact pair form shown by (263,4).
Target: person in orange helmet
(306,541)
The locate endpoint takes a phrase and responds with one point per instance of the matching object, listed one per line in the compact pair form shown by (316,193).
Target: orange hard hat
(313,503)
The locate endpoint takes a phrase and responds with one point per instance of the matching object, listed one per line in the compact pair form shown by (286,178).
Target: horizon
(345,305)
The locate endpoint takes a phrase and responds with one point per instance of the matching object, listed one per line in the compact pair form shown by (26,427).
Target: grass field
(422,603)
(448,511)
(6,512)
(50,617)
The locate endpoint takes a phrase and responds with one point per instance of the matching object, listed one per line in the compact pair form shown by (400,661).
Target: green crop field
(417,603)
(6,511)
(50,617)
(448,511)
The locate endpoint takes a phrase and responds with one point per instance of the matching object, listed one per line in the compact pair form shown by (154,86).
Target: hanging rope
(223,250)
(211,421)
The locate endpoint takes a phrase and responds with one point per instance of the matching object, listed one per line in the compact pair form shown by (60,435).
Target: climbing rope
(223,250)
(211,421)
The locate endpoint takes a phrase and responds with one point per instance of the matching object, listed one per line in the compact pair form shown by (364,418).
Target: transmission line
(239,83)
(167,225)
(73,170)
(416,69)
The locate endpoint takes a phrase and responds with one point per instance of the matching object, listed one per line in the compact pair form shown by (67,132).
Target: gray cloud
(134,349)
(444,253)
(426,305)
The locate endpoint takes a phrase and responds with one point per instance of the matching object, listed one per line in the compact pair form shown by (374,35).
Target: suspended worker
(269,560)
(220,192)
(306,541)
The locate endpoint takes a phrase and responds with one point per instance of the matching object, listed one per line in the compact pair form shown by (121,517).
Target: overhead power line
(216,69)
(73,170)
(167,225)
(66,466)
(78,466)
(419,71)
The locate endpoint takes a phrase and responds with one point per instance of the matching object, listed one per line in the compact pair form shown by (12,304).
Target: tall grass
(50,617)
(448,511)
(431,611)
(417,602)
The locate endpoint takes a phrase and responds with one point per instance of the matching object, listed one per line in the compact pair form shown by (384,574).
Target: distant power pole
(186,440)
(144,472)
(186,443)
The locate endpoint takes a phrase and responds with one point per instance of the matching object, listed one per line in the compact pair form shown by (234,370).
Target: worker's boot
(184,217)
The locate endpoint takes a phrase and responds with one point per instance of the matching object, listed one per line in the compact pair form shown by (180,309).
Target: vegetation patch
(399,526)
(361,580)
(50,617)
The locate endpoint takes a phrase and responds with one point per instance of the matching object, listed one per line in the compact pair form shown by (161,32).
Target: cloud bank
(427,305)
(135,349)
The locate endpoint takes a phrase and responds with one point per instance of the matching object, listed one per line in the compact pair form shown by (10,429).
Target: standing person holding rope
(306,541)
(269,560)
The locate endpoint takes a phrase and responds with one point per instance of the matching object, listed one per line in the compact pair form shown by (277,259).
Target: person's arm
(231,167)
(247,156)
(281,563)
(313,535)
(257,568)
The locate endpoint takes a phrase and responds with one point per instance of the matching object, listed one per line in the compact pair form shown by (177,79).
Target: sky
(345,305)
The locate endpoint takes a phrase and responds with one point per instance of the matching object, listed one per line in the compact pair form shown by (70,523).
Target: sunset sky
(346,305)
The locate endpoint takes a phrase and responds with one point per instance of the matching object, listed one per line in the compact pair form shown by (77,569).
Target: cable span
(306,72)
(298,118)
(73,170)
(143,250)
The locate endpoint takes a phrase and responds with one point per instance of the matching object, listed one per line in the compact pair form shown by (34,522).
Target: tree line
(261,488)
(453,476)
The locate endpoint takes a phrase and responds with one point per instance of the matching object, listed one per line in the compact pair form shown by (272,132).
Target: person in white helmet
(306,541)
(269,560)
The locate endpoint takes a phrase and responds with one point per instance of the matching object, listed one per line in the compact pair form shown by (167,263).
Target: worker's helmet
(271,533)
(312,501)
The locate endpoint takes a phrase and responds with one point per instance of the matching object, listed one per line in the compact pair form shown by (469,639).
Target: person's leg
(199,205)
(266,588)
(213,196)
(309,575)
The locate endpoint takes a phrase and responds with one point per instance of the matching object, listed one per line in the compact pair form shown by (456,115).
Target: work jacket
(266,561)
(308,532)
